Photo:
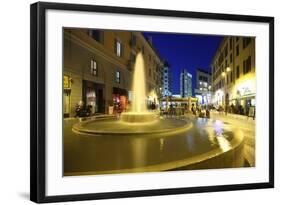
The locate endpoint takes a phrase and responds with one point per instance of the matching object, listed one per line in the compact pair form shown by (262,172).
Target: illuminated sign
(245,88)
(66,83)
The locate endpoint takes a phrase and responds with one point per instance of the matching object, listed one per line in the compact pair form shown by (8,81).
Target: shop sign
(66,81)
(245,88)
(244,91)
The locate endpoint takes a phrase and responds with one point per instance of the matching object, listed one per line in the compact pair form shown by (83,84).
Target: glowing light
(223,74)
(227,69)
(139,101)
(223,143)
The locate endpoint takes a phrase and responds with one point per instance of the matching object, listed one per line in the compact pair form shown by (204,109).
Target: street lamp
(224,74)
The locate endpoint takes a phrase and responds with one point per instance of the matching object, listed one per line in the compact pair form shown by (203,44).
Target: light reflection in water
(161,144)
(223,143)
(211,136)
(221,139)
(218,127)
(190,142)
(138,151)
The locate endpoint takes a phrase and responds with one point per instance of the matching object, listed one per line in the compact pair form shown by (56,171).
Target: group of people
(200,111)
(197,110)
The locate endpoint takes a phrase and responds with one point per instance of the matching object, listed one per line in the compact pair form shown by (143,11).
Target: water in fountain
(139,111)
(139,88)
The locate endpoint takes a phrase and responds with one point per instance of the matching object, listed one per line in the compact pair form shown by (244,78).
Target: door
(100,101)
(66,103)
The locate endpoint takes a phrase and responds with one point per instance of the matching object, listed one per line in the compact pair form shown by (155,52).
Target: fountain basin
(135,117)
(125,126)
(205,145)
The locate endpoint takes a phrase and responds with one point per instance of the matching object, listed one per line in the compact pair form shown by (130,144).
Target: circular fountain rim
(138,117)
(78,128)
(214,154)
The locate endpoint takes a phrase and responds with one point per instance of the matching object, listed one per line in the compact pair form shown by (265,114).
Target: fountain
(142,141)
(139,111)
(138,120)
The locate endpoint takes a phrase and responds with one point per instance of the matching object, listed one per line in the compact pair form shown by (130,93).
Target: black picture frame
(38,98)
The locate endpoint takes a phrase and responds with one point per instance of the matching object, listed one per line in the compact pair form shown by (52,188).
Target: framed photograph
(129,102)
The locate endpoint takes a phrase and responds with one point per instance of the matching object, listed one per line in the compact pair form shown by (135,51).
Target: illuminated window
(118,48)
(94,68)
(117,77)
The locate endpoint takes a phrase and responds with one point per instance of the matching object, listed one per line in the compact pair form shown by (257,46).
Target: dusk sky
(187,51)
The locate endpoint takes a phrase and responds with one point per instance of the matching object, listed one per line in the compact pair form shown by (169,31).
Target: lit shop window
(117,77)
(94,68)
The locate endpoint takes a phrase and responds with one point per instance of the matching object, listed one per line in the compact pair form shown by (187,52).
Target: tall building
(185,84)
(167,80)
(203,86)
(233,70)
(98,67)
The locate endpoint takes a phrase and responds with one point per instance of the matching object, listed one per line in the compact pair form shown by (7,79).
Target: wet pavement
(248,127)
(108,154)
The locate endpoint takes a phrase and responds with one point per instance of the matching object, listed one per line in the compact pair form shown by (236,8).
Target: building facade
(203,86)
(185,84)
(98,67)
(167,80)
(233,74)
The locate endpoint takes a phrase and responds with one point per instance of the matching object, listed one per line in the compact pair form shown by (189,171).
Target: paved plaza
(96,155)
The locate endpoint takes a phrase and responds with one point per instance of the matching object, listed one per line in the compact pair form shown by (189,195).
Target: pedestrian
(208,114)
(193,109)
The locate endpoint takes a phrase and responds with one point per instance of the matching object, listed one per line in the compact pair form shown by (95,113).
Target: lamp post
(160,98)
(224,74)
(209,92)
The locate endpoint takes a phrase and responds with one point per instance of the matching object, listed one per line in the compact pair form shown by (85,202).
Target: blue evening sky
(187,51)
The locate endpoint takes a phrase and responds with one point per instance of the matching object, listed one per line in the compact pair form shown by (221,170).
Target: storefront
(244,96)
(120,99)
(93,95)
(204,99)
(218,98)
(66,95)
(152,100)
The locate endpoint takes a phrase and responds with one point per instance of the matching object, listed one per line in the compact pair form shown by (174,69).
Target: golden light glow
(223,74)
(227,69)
(139,88)
(153,96)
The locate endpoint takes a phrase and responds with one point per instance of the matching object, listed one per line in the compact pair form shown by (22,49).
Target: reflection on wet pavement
(83,153)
